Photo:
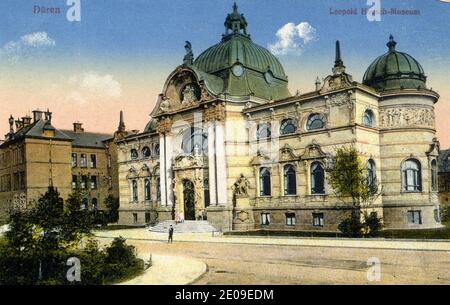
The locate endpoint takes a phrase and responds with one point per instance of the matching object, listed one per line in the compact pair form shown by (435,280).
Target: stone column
(168,169)
(164,129)
(221,163)
(162,168)
(212,163)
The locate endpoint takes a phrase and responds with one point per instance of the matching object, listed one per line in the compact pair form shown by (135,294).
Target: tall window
(94,204)
(158,189)
(94,182)
(74,181)
(315,121)
(290,219)
(83,160)
(368,119)
(317,178)
(157,150)
(265,219)
(195,141)
(434,176)
(133,154)
(412,176)
(290,181)
(288,126)
(415,217)
(83,183)
(147,189)
(263,131)
(318,219)
(206,191)
(134,190)
(146,152)
(371,175)
(93,161)
(74,160)
(264,181)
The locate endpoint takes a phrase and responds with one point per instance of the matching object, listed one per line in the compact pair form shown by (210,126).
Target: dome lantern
(235,23)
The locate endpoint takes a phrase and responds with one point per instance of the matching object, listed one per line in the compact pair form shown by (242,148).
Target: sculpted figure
(241,186)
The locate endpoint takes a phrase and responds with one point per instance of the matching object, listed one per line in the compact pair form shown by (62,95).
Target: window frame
(414,215)
(290,218)
(147,189)
(321,219)
(83,161)
(268,129)
(312,118)
(93,161)
(288,122)
(134,191)
(265,219)
(74,160)
(263,192)
(286,179)
(369,114)
(145,155)
(134,155)
(416,175)
(313,178)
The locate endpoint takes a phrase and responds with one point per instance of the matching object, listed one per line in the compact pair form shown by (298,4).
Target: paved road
(275,264)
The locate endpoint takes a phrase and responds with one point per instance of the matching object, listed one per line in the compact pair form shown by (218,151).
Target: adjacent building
(229,143)
(36,155)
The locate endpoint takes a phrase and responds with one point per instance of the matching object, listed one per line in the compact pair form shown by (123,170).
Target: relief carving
(407,117)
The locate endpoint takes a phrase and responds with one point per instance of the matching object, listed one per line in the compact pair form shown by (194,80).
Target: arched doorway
(189,200)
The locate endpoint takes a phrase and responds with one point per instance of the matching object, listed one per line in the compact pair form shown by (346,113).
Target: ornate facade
(230,144)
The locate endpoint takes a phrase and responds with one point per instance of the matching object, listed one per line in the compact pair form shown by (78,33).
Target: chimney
(48,116)
(78,127)
(19,124)
(26,120)
(37,115)
(121,127)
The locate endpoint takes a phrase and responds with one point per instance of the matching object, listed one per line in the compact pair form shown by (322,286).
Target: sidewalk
(396,244)
(169,270)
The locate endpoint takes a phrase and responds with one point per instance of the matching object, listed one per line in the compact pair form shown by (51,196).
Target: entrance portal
(189,200)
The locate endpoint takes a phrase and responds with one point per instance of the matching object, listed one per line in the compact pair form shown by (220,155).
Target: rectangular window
(290,219)
(318,219)
(265,219)
(83,160)
(74,182)
(415,217)
(93,161)
(437,215)
(135,217)
(83,182)
(74,160)
(147,217)
(94,182)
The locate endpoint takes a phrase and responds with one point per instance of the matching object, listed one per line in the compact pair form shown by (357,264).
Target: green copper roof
(263,75)
(395,70)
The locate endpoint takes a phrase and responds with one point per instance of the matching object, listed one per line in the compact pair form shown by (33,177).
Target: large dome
(239,49)
(395,70)
(246,68)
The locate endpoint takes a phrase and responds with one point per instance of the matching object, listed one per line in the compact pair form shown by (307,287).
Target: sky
(120,52)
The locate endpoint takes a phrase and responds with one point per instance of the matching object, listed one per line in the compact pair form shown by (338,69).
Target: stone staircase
(188,226)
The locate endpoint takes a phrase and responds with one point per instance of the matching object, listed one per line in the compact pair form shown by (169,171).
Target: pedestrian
(170,234)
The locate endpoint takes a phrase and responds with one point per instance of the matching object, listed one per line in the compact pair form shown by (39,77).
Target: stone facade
(246,162)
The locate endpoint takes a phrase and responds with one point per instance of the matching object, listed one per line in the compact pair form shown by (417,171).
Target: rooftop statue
(189,57)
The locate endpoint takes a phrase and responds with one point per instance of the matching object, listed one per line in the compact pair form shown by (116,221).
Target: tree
(112,204)
(349,180)
(77,221)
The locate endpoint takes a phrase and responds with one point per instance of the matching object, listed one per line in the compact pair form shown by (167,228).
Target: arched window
(158,188)
(290,181)
(195,141)
(134,154)
(288,126)
(263,131)
(264,181)
(157,150)
(135,190)
(412,176)
(369,119)
(94,204)
(434,175)
(315,121)
(371,175)
(317,178)
(146,152)
(147,189)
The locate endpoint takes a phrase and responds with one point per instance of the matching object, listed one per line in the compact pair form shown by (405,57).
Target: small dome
(395,70)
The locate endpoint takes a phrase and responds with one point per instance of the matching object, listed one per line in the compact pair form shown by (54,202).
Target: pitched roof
(87,139)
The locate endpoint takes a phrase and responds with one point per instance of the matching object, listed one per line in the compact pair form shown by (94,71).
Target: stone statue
(241,186)
(189,57)
(165,105)
(196,150)
(189,94)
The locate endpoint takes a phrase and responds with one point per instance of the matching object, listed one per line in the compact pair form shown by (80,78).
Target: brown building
(35,155)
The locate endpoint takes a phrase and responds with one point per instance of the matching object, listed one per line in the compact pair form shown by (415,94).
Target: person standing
(170,234)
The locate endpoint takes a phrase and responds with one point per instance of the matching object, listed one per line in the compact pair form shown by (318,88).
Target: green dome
(239,49)
(246,68)
(395,70)
(151,126)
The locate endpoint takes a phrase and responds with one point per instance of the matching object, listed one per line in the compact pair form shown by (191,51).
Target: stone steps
(188,226)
